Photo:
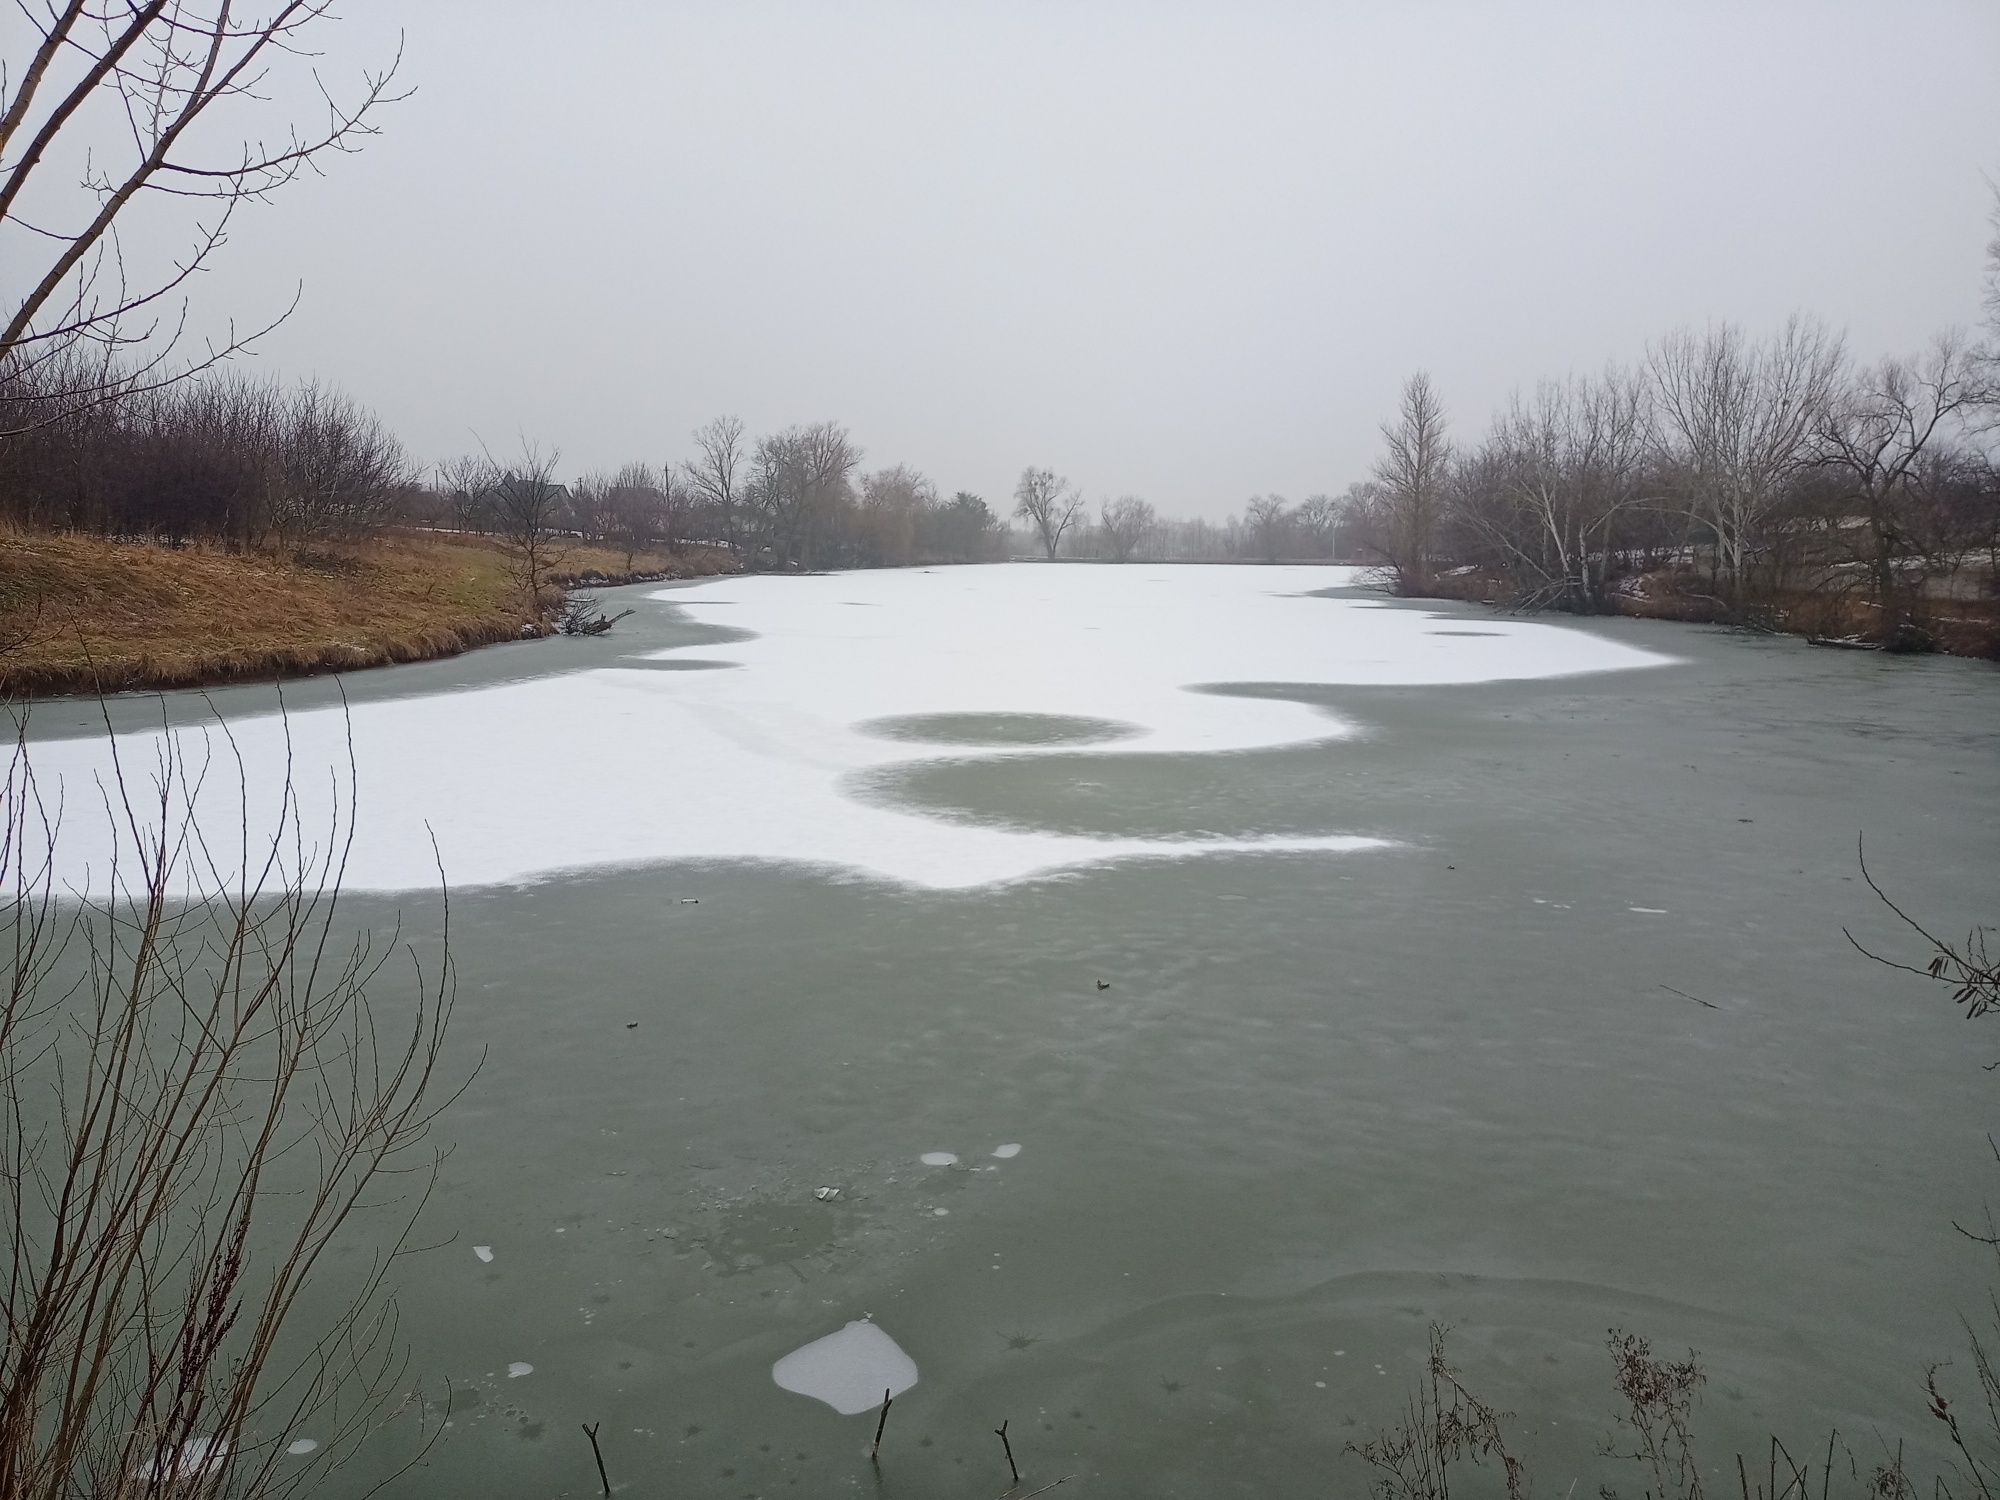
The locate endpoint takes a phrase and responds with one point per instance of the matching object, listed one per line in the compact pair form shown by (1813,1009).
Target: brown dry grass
(86,614)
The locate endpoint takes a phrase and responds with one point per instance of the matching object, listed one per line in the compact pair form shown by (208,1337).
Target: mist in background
(1181,251)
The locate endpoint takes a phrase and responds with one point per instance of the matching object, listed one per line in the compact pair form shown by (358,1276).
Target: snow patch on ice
(302,1447)
(193,1460)
(519,1368)
(939,1158)
(1008,1152)
(848,1370)
(1648,911)
(484,1252)
(780,747)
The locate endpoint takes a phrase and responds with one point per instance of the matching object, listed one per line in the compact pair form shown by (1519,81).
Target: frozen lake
(1150,997)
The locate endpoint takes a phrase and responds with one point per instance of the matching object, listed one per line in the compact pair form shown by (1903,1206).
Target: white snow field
(758,761)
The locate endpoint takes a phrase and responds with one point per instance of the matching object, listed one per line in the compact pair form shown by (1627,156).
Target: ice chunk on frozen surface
(848,1370)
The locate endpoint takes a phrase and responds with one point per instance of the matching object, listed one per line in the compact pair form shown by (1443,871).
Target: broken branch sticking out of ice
(848,1370)
(779,748)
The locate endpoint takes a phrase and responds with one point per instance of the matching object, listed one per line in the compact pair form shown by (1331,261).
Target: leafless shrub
(199,1078)
(1446,1424)
(1659,1397)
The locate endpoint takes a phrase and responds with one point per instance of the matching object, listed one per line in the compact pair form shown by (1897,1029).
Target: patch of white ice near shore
(848,1370)
(188,1463)
(627,765)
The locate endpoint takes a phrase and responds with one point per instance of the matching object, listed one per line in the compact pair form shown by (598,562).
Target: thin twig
(1686,996)
(888,1400)
(1010,1495)
(1013,1468)
(590,1431)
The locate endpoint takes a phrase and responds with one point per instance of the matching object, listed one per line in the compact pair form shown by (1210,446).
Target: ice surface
(848,1370)
(776,748)
(939,1158)
(1007,1152)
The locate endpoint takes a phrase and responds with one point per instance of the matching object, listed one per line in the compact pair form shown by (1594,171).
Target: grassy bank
(86,614)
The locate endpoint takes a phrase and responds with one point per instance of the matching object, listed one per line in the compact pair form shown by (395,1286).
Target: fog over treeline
(1181,252)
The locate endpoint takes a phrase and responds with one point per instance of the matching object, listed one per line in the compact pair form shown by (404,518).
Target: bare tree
(1736,419)
(1412,476)
(135,89)
(202,1086)
(527,507)
(1553,480)
(715,475)
(1050,504)
(1883,443)
(1125,524)
(799,481)
(1318,519)
(1993,272)
(339,469)
(894,504)
(640,511)
(467,484)
(1264,516)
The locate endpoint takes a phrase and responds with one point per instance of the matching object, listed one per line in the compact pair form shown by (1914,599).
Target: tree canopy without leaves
(137,98)
(1412,474)
(1125,524)
(1049,503)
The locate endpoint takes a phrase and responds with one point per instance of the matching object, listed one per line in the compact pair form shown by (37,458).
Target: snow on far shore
(629,764)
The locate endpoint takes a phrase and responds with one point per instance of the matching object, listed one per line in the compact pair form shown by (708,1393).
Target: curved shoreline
(82,615)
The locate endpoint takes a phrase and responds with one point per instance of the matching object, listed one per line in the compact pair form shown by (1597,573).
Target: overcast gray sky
(1184,251)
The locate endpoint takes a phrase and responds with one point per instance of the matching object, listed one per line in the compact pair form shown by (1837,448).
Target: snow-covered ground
(632,764)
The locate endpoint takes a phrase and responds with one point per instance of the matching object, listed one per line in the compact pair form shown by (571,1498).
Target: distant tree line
(1765,478)
(246,461)
(225,456)
(792,500)
(1059,524)
(1762,479)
